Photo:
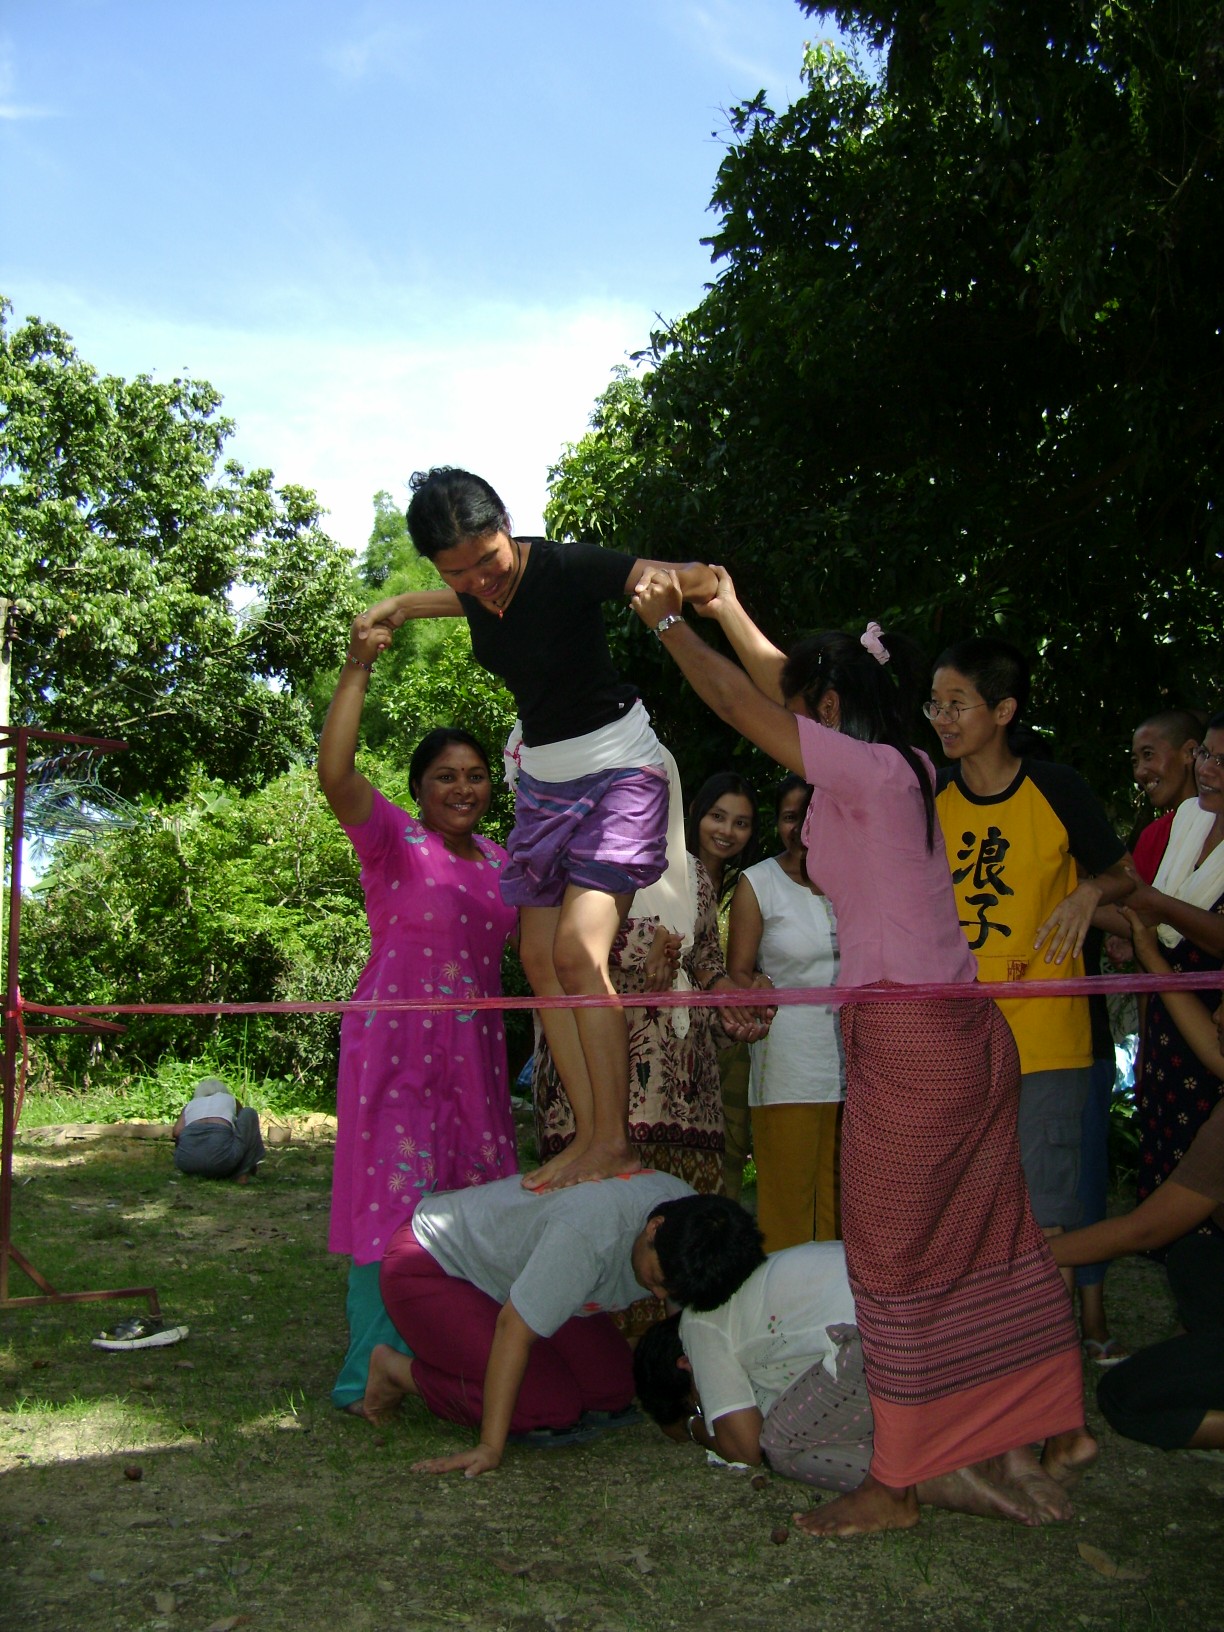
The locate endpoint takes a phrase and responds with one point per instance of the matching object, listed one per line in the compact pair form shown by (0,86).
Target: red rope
(1082,986)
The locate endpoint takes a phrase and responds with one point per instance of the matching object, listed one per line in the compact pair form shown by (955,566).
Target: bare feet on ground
(389,1379)
(871,1507)
(596,1161)
(981,1490)
(1024,1473)
(1067,1455)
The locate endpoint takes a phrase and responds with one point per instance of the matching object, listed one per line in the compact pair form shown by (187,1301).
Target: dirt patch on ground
(259,1505)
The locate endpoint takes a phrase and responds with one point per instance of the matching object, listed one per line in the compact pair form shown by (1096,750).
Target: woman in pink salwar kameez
(423,1099)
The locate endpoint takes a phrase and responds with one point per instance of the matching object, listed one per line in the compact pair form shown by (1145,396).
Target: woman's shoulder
(830,755)
(762,873)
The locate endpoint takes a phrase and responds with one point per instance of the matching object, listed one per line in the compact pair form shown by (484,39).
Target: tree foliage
(961,365)
(126,540)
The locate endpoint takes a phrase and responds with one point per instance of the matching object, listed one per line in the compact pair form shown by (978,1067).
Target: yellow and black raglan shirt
(1014,856)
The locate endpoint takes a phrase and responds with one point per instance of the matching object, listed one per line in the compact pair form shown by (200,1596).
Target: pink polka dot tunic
(423,1098)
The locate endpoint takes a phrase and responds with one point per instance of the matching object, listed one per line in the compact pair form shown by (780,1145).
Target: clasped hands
(658,592)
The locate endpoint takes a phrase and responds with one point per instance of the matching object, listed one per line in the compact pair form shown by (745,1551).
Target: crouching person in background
(215,1136)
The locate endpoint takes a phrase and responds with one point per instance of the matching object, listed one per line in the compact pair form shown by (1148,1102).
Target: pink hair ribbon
(870,638)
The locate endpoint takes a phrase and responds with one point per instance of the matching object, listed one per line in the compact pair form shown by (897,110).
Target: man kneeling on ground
(502,1295)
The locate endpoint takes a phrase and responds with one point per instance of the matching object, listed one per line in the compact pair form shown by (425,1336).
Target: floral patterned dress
(675,1095)
(422,1100)
(1175,1093)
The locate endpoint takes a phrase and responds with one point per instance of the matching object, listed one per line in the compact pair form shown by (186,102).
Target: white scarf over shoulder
(1178,873)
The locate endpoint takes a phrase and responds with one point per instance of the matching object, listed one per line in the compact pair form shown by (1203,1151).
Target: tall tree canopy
(129,543)
(961,367)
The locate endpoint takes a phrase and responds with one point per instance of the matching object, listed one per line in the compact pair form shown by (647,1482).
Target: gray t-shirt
(555,1255)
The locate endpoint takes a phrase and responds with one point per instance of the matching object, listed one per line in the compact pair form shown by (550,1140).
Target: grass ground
(259,1505)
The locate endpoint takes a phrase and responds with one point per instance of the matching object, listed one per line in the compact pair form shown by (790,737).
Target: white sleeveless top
(800,1061)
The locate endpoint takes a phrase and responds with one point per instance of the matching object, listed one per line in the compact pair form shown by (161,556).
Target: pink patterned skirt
(969,1341)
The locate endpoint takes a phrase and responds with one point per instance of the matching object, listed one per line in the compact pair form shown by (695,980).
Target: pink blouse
(866,838)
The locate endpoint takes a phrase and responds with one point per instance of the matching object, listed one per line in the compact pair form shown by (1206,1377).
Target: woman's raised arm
(729,691)
(350,795)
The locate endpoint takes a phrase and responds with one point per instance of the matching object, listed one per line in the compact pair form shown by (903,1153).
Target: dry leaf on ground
(1104,1565)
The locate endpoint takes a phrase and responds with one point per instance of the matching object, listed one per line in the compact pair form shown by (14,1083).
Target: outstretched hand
(470,1463)
(723,597)
(657,594)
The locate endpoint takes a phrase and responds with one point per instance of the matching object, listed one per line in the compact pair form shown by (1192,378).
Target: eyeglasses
(1203,757)
(950,711)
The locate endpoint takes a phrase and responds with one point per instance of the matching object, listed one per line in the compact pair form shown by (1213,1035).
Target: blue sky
(392,233)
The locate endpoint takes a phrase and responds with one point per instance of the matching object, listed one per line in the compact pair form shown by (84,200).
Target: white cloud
(727,31)
(380,45)
(499,389)
(9,108)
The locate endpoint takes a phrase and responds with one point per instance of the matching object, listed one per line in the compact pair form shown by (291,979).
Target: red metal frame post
(14,1038)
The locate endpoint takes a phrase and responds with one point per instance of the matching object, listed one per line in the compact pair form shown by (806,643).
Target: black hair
(449,506)
(875,697)
(1176,725)
(707,1247)
(997,668)
(663,1387)
(998,671)
(434,743)
(707,796)
(1215,723)
(786,787)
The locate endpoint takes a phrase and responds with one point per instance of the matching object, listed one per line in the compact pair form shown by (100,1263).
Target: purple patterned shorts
(603,832)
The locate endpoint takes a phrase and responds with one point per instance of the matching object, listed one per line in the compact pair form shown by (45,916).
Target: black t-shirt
(550,646)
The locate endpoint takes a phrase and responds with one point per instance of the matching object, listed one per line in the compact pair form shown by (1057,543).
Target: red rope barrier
(1081,986)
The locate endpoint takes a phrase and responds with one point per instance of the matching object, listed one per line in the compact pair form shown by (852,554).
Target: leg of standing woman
(828,1173)
(537,935)
(784,1138)
(577,965)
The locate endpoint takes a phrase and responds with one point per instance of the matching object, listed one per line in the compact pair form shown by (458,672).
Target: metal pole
(13,1046)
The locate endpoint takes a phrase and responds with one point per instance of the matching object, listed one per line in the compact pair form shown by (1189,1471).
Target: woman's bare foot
(600,1161)
(980,1490)
(862,1512)
(1067,1455)
(581,1166)
(546,1175)
(1024,1473)
(390,1378)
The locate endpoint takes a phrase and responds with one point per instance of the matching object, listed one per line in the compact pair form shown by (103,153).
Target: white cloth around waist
(629,742)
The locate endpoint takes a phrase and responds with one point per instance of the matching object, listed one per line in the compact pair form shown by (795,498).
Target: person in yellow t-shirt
(1032,856)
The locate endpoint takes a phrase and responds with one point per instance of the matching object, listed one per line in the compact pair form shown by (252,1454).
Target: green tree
(127,543)
(217,897)
(960,368)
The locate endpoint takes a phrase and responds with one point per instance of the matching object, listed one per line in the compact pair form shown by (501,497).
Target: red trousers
(448,1323)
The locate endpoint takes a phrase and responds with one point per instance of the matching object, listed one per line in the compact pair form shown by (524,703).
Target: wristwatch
(666,623)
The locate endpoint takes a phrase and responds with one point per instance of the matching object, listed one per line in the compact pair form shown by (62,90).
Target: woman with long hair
(935,1214)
